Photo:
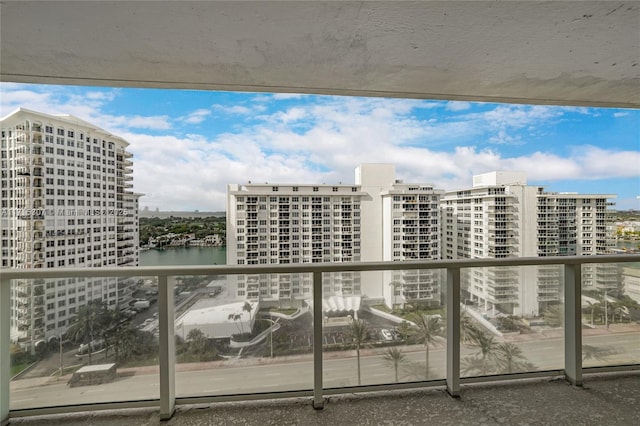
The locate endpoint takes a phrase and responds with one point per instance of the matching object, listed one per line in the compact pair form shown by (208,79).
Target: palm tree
(594,306)
(247,308)
(127,341)
(358,332)
(509,356)
(394,285)
(234,318)
(404,329)
(467,327)
(394,357)
(596,353)
(427,331)
(554,315)
(486,345)
(472,365)
(88,323)
(114,324)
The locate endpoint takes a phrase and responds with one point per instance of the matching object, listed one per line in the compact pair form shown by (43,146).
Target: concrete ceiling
(565,53)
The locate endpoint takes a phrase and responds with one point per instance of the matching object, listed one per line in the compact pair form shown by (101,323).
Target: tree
(554,315)
(126,347)
(394,286)
(486,345)
(595,307)
(247,307)
(596,353)
(235,318)
(467,327)
(88,324)
(493,357)
(394,357)
(197,341)
(405,330)
(427,330)
(358,332)
(509,357)
(115,322)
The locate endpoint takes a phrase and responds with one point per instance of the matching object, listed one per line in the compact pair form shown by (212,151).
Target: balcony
(168,384)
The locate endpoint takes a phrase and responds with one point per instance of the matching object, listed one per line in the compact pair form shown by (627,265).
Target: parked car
(96,345)
(386,335)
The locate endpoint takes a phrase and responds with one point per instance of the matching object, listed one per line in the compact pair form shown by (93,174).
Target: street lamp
(273,322)
(61,359)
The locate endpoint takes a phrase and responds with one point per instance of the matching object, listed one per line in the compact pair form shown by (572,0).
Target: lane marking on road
(95,390)
(272,374)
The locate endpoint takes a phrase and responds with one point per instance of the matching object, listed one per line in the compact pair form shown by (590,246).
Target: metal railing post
(318,400)
(5,352)
(573,323)
(167,354)
(453,332)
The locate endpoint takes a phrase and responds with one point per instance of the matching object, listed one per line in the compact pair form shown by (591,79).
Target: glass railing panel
(244,334)
(83,340)
(383,327)
(512,320)
(610,314)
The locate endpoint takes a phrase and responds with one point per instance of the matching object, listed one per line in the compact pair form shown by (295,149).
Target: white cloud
(232,109)
(158,122)
(197,116)
(101,96)
(458,106)
(88,106)
(324,140)
(192,173)
(280,96)
(620,114)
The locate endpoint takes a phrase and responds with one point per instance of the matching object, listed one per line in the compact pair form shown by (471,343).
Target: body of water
(184,256)
(218,255)
(628,245)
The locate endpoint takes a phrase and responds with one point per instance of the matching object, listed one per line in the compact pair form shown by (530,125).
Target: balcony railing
(571,340)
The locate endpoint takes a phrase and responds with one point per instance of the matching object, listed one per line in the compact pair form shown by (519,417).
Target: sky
(188,145)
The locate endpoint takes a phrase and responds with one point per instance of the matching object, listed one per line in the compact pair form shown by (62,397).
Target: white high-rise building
(66,202)
(376,219)
(501,216)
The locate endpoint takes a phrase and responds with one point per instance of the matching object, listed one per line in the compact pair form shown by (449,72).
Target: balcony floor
(604,400)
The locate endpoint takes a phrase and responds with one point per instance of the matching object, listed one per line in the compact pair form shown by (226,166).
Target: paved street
(296,373)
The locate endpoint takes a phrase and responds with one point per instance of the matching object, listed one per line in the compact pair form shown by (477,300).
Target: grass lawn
(15,369)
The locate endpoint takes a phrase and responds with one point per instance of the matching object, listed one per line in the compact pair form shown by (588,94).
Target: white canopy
(218,322)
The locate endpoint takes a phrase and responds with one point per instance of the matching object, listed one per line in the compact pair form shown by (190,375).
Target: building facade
(501,216)
(377,218)
(67,202)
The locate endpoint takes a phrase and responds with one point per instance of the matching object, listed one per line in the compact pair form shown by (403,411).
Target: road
(278,375)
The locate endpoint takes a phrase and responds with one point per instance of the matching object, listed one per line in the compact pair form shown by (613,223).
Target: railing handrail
(141,271)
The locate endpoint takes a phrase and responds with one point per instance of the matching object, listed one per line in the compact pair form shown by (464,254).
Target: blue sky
(188,145)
